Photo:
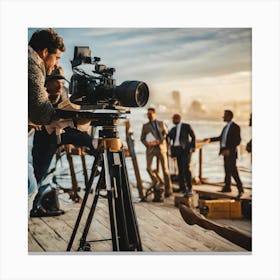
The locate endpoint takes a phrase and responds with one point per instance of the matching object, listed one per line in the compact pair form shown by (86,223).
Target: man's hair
(177,116)
(228,112)
(152,109)
(46,38)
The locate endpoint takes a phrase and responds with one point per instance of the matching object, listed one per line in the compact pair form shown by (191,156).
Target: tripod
(113,177)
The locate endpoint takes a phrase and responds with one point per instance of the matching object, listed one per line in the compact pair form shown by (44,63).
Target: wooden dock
(161,227)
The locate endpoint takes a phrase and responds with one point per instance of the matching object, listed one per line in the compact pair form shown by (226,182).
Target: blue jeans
(44,148)
(32,182)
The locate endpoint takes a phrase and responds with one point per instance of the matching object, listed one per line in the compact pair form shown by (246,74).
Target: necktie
(177,137)
(156,130)
(224,135)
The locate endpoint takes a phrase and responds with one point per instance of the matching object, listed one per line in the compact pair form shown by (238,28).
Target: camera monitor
(81,55)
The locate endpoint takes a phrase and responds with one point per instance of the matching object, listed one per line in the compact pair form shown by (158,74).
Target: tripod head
(99,116)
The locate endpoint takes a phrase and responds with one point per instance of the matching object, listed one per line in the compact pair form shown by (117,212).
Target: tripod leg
(132,225)
(88,187)
(109,178)
(124,226)
(113,220)
(121,213)
(91,212)
(74,192)
(84,168)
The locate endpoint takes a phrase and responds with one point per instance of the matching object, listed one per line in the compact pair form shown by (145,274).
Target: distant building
(196,109)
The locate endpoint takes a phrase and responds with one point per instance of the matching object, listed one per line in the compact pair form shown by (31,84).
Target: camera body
(100,87)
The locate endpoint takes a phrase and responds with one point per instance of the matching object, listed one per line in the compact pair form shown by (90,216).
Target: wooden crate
(189,201)
(221,208)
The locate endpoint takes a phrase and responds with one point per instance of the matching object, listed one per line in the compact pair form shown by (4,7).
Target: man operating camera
(44,51)
(45,145)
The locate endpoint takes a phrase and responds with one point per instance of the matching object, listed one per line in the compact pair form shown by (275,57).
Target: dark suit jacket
(233,138)
(187,136)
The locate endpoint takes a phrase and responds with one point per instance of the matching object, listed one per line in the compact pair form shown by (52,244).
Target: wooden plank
(161,227)
(149,236)
(207,238)
(151,224)
(191,217)
(45,236)
(243,225)
(33,245)
(97,230)
(214,192)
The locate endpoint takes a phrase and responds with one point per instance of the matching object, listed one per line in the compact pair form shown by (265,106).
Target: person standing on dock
(44,51)
(45,145)
(229,140)
(153,136)
(183,145)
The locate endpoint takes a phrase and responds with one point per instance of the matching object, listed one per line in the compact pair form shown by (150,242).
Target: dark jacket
(233,138)
(187,136)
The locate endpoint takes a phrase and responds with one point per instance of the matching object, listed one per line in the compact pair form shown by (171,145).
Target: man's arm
(143,136)
(192,137)
(163,131)
(237,137)
(40,109)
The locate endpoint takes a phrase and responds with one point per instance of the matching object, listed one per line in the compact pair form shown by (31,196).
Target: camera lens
(132,93)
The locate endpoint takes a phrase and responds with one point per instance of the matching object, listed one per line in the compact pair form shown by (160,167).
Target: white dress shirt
(224,136)
(178,131)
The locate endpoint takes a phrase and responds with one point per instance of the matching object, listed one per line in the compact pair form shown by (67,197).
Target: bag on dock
(158,193)
(49,200)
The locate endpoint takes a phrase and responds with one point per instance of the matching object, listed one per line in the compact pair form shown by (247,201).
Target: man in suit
(229,140)
(183,144)
(153,136)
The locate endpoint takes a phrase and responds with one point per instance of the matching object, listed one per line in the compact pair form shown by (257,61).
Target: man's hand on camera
(58,125)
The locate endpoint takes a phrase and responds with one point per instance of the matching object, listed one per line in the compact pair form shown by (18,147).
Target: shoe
(42,212)
(240,193)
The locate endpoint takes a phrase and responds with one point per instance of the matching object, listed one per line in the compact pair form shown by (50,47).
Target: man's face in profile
(227,117)
(151,115)
(51,61)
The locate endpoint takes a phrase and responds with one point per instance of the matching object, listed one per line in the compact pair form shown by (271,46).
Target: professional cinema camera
(100,87)
(98,99)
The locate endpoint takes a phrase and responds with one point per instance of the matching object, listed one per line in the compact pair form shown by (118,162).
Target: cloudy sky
(198,62)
